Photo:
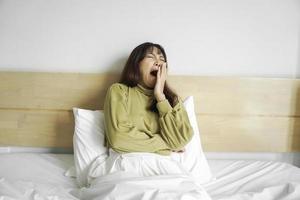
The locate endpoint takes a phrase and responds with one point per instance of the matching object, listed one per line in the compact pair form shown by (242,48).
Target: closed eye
(152,56)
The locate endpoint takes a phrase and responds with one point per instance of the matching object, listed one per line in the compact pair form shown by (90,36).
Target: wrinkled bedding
(129,186)
(253,180)
(30,176)
(43,177)
(138,176)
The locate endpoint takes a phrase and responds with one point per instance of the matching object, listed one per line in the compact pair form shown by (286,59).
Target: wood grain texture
(241,96)
(249,133)
(234,114)
(38,128)
(53,91)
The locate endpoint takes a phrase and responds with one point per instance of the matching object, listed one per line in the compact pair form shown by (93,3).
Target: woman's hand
(160,82)
(179,151)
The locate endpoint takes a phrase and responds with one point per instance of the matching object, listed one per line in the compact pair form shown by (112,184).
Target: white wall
(201,37)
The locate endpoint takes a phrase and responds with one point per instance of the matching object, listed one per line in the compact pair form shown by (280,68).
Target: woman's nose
(157,63)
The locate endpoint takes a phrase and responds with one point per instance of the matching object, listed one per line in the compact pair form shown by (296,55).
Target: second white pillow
(193,158)
(88,141)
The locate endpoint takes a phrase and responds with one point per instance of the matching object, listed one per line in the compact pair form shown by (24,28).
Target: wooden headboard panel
(234,114)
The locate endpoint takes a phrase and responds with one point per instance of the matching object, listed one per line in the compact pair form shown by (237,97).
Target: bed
(253,115)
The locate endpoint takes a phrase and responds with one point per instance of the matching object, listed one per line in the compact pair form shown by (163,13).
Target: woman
(142,114)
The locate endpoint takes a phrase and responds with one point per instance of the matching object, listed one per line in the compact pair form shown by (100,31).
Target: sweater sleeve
(176,130)
(121,134)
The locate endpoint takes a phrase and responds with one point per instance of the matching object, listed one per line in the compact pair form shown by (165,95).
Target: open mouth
(154,73)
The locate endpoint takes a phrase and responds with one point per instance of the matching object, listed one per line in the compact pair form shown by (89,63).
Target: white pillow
(193,158)
(88,141)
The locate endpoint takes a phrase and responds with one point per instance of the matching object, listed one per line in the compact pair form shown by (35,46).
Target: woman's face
(149,66)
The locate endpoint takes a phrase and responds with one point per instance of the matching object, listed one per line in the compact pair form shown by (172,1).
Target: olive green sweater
(131,127)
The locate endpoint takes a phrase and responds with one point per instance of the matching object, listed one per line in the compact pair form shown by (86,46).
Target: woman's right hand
(161,77)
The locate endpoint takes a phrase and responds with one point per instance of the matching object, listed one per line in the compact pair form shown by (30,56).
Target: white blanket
(285,191)
(128,186)
(141,176)
(41,177)
(254,180)
(36,177)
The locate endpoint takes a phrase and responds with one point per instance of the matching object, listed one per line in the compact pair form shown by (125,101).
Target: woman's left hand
(160,82)
(179,151)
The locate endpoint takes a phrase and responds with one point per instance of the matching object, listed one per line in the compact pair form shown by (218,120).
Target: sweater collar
(146,91)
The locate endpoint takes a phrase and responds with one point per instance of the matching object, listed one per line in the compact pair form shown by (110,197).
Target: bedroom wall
(207,37)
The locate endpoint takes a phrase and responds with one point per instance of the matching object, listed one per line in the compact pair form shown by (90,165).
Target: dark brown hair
(131,72)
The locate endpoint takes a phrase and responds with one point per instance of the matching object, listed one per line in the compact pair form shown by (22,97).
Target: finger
(158,73)
(164,72)
(164,68)
(161,71)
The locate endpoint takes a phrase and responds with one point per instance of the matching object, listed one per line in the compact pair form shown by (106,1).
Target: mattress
(43,176)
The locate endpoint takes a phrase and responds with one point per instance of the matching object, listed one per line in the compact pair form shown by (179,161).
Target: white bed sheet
(253,180)
(42,176)
(34,176)
(124,185)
